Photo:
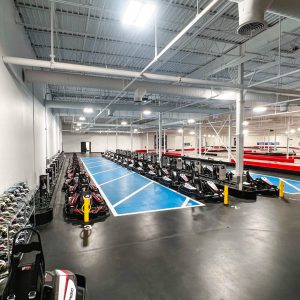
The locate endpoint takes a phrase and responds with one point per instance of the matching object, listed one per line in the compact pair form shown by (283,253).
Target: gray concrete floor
(250,251)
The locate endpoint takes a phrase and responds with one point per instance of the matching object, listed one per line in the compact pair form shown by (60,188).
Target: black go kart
(30,280)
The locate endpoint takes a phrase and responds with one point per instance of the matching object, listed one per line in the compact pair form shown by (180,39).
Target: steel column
(116,139)
(182,142)
(147,145)
(229,137)
(159,136)
(200,140)
(165,145)
(131,138)
(288,139)
(52,56)
(240,103)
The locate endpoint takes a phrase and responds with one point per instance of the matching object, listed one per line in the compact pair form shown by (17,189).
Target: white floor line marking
(116,179)
(297,189)
(98,166)
(132,194)
(101,192)
(105,171)
(186,201)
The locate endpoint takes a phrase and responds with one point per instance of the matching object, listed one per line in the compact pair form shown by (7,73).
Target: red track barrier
(271,165)
(270,158)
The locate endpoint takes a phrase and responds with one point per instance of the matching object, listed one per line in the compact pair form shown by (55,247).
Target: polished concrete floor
(244,251)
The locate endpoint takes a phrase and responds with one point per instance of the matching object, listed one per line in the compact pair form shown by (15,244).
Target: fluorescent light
(192,132)
(180,131)
(191,121)
(259,109)
(245,123)
(292,131)
(204,135)
(135,130)
(209,135)
(76,129)
(81,118)
(245,131)
(138,13)
(147,112)
(123,123)
(298,129)
(78,124)
(88,110)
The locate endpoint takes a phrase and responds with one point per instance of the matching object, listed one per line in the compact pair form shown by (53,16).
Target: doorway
(86,147)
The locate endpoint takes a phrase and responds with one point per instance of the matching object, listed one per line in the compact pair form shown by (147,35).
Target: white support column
(275,140)
(156,140)
(159,136)
(240,103)
(182,142)
(165,144)
(116,139)
(268,140)
(147,145)
(288,139)
(52,11)
(131,138)
(107,141)
(196,140)
(229,137)
(200,140)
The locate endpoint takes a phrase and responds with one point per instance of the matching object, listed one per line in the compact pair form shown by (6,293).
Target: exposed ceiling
(89,32)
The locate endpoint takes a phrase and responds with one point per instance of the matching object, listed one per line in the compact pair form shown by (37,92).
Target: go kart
(30,280)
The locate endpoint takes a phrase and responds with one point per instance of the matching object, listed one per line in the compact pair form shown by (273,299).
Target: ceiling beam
(261,43)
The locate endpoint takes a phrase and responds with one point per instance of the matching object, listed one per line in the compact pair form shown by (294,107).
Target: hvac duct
(251,13)
(56,78)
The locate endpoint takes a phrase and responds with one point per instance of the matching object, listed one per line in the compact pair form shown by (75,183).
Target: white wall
(175,140)
(100,142)
(22,115)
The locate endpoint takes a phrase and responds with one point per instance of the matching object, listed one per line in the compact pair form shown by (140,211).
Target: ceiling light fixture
(138,13)
(292,130)
(76,129)
(245,123)
(88,110)
(259,109)
(298,129)
(191,121)
(82,119)
(78,124)
(135,130)
(180,131)
(123,123)
(245,131)
(147,112)
(192,132)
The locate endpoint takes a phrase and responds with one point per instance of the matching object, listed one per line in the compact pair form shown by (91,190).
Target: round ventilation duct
(251,13)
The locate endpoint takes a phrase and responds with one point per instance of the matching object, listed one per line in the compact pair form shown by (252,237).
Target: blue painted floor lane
(290,186)
(127,192)
(117,190)
(147,200)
